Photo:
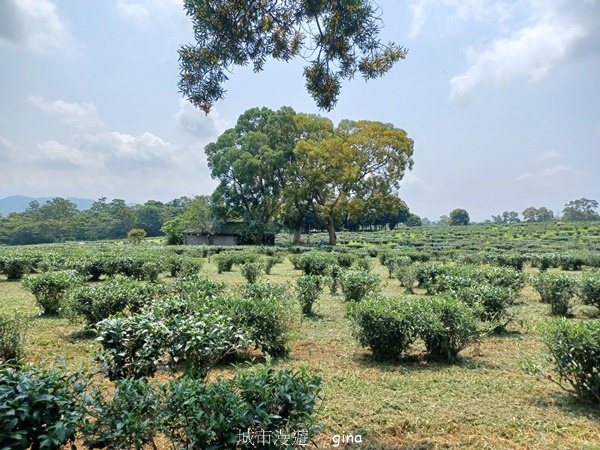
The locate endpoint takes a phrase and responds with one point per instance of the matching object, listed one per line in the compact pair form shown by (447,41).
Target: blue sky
(502,99)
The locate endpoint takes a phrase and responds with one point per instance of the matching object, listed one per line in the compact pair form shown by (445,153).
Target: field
(484,399)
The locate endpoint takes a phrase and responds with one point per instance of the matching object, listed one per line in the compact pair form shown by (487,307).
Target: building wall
(196,239)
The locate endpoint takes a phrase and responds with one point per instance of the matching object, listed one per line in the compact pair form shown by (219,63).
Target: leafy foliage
(589,289)
(357,284)
(555,289)
(40,408)
(49,289)
(340,39)
(309,289)
(574,349)
(12,337)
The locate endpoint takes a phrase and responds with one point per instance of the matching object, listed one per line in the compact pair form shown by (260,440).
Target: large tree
(582,209)
(459,216)
(251,163)
(361,159)
(533,214)
(336,38)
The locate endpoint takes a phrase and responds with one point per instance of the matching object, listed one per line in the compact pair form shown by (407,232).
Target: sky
(502,99)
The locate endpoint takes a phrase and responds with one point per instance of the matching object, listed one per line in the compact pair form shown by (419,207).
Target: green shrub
(198,287)
(345,259)
(395,262)
(49,289)
(335,273)
(386,326)
(357,284)
(89,268)
(555,289)
(199,415)
(40,408)
(131,346)
(270,262)
(574,349)
(492,302)
(252,271)
(309,288)
(589,289)
(12,337)
(314,263)
(363,264)
(265,313)
(571,261)
(224,262)
(130,419)
(15,267)
(407,276)
(447,326)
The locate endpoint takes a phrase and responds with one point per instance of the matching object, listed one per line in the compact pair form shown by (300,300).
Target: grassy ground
(485,401)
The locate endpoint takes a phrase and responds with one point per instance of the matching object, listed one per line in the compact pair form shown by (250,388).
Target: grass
(484,401)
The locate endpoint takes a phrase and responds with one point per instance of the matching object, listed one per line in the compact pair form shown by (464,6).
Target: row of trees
(576,210)
(299,169)
(60,220)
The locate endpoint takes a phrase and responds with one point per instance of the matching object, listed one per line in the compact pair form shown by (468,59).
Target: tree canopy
(336,38)
(298,168)
(581,209)
(459,216)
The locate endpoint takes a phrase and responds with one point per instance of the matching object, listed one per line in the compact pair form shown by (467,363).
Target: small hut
(224,233)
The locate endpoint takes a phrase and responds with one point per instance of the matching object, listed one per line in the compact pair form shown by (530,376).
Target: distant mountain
(19,203)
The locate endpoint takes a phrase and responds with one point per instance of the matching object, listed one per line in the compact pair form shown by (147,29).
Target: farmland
(475,394)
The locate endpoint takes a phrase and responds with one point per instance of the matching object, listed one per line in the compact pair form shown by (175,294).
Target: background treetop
(337,38)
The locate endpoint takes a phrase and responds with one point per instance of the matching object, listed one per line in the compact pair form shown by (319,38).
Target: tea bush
(309,288)
(492,302)
(407,275)
(589,289)
(14,267)
(556,289)
(252,271)
(49,289)
(129,419)
(447,326)
(314,263)
(574,349)
(12,337)
(40,408)
(199,415)
(357,284)
(386,326)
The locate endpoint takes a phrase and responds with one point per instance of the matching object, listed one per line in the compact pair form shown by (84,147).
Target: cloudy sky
(502,99)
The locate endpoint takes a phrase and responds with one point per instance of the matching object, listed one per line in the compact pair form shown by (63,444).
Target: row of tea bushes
(559,290)
(47,408)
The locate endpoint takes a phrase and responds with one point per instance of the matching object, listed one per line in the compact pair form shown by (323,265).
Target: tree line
(60,220)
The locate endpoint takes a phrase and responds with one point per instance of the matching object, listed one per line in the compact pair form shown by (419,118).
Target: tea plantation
(481,336)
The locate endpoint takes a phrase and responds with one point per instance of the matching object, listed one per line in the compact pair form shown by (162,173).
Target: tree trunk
(297,236)
(331,231)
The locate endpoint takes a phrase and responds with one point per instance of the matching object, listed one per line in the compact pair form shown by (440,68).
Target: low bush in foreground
(574,351)
(589,289)
(309,288)
(40,408)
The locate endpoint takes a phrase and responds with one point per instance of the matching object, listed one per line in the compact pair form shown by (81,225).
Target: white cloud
(146,12)
(556,29)
(461,10)
(196,122)
(557,171)
(551,155)
(35,25)
(79,115)
(411,179)
(7,150)
(52,152)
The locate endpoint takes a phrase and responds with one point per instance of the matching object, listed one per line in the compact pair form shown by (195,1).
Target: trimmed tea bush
(492,302)
(252,271)
(557,290)
(49,289)
(589,289)
(309,287)
(198,415)
(357,284)
(40,408)
(386,326)
(574,348)
(314,263)
(407,276)
(129,419)
(15,266)
(12,337)
(447,326)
